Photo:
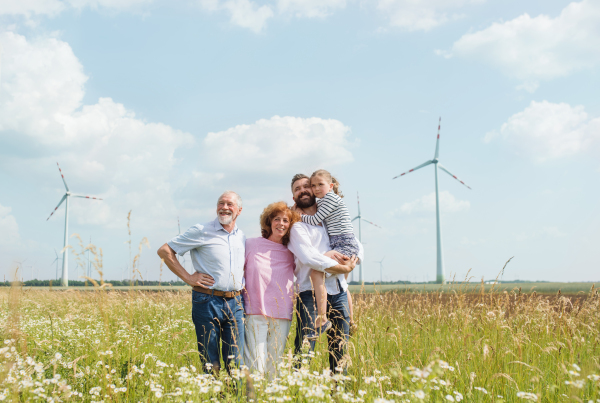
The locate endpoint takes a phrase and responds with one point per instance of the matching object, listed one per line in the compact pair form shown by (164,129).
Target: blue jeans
(219,319)
(339,315)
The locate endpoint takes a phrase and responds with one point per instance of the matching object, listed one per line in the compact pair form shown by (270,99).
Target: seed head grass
(447,346)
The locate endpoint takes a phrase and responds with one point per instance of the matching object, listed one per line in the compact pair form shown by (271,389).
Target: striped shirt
(332,210)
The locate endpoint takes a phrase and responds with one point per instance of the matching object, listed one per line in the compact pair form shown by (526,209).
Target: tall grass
(446,346)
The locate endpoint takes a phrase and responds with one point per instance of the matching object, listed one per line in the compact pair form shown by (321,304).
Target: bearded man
(310,246)
(217,250)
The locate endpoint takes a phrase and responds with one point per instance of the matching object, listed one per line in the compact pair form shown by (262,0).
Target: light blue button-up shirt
(215,252)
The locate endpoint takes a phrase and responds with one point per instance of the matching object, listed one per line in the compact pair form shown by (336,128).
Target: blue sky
(158,107)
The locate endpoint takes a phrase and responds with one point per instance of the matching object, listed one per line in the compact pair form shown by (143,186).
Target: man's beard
(305,204)
(226,220)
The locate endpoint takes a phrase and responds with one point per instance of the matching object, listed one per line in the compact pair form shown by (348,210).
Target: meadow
(451,345)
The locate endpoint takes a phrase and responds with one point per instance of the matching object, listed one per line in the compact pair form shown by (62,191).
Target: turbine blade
(451,174)
(414,169)
(56,208)
(372,223)
(62,176)
(355,218)
(437,142)
(86,197)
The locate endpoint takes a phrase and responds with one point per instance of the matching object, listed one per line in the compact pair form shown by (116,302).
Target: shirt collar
(219,227)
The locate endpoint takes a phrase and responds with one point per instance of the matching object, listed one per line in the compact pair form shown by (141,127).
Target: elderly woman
(269,273)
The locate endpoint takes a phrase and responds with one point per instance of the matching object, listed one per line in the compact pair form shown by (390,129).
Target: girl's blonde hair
(325,174)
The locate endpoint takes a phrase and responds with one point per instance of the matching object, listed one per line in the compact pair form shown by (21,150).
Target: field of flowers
(451,346)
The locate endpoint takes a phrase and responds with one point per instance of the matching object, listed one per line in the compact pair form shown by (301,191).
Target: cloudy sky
(158,106)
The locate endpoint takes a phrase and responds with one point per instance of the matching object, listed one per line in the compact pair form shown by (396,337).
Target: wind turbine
(380,269)
(56,261)
(359,218)
(65,280)
(441,279)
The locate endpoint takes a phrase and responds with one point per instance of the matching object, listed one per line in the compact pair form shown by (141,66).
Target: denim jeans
(339,315)
(219,319)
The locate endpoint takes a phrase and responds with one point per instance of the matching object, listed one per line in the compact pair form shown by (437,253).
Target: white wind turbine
(380,269)
(441,279)
(64,279)
(56,261)
(359,218)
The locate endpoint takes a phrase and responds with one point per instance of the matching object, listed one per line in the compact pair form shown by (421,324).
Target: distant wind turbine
(359,218)
(441,279)
(56,261)
(380,269)
(64,279)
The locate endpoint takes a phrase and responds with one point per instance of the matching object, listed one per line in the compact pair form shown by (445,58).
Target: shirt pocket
(200,298)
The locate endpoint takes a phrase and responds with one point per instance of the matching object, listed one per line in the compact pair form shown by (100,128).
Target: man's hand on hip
(200,280)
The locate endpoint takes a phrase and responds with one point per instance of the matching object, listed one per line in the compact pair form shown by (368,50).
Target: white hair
(238,199)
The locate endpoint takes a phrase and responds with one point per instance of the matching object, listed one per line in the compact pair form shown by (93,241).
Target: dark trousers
(218,319)
(339,315)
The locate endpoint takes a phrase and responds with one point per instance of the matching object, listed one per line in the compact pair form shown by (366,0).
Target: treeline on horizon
(77,283)
(148,283)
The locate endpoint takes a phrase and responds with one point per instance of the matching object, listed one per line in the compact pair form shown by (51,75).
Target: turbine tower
(359,218)
(440,279)
(64,279)
(380,269)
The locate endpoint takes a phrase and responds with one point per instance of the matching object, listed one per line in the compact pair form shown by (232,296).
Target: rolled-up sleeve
(308,255)
(190,239)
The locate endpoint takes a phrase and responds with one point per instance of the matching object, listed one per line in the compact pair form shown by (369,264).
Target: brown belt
(225,294)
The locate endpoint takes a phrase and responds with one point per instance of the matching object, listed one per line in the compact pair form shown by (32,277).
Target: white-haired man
(217,250)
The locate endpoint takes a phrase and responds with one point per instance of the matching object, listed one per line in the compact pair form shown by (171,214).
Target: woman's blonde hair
(325,174)
(270,212)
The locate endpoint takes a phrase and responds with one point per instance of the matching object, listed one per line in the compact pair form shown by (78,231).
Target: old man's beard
(227,219)
(306,202)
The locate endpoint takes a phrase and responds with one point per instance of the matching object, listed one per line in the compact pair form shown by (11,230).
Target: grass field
(540,288)
(490,346)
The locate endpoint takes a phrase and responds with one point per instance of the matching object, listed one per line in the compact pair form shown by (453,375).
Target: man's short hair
(297,177)
(238,199)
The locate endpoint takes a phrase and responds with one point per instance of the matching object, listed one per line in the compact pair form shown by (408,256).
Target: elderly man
(310,246)
(217,250)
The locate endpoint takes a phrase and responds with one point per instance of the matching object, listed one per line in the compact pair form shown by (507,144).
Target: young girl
(333,211)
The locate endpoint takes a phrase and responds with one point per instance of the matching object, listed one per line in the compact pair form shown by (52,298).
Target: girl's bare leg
(318,281)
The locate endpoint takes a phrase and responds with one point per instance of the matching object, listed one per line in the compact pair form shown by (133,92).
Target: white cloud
(103,148)
(546,130)
(29,7)
(52,8)
(281,143)
(422,15)
(243,13)
(426,204)
(310,8)
(538,48)
(9,235)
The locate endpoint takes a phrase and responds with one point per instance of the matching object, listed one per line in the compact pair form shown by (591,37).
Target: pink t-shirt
(269,274)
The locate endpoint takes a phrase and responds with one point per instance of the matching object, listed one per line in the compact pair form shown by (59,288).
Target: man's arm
(308,255)
(168,255)
(343,268)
